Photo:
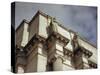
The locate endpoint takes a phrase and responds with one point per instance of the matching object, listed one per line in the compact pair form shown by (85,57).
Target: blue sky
(81,19)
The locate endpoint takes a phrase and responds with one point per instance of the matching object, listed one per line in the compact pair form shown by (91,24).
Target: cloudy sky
(81,19)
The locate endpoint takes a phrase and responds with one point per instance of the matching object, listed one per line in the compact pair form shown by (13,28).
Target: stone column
(67,60)
(55,44)
(41,60)
(55,55)
(62,63)
(36,55)
(85,62)
(57,64)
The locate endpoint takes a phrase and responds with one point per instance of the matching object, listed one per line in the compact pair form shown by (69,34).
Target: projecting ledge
(57,37)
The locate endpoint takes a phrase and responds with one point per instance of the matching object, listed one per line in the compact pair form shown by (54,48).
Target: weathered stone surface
(40,48)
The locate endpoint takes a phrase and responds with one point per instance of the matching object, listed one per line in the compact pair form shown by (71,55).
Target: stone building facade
(43,44)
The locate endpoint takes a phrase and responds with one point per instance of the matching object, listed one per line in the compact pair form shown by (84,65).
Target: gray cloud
(81,19)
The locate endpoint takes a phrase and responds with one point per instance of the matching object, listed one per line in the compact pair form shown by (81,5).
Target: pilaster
(68,64)
(36,55)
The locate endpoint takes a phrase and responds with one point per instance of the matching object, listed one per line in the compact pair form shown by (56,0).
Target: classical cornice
(92,64)
(86,52)
(57,36)
(68,52)
(35,40)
